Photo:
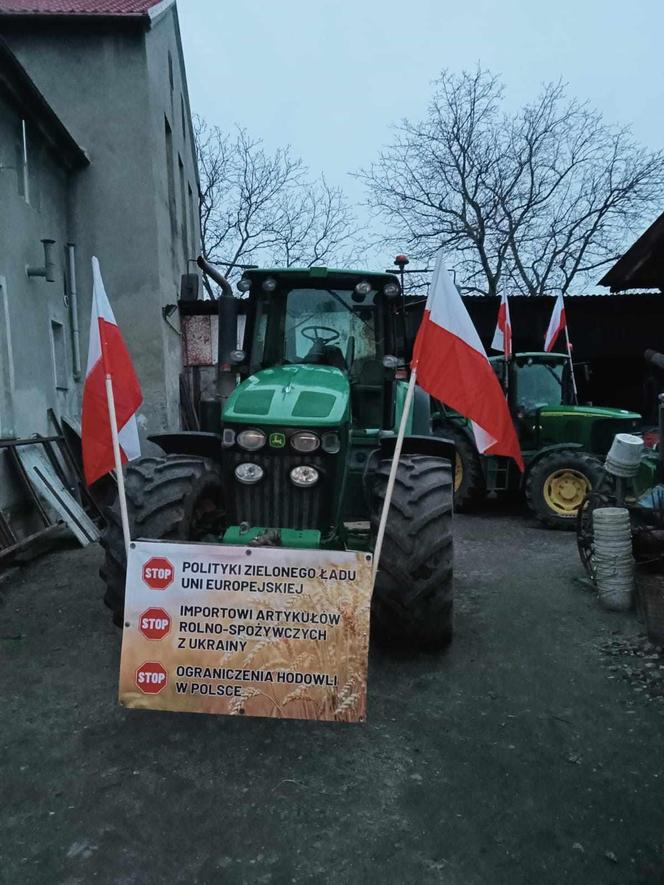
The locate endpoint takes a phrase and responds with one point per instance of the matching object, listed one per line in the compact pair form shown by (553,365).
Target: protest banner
(255,631)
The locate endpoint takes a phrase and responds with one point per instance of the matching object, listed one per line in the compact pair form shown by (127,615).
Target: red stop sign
(158,573)
(154,623)
(151,677)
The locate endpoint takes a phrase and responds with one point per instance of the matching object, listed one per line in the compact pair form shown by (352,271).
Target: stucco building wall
(118,87)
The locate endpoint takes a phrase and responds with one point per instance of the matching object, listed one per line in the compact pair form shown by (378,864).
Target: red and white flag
(556,324)
(107,355)
(452,366)
(502,337)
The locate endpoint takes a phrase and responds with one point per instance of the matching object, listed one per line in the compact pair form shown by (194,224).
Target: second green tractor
(563,444)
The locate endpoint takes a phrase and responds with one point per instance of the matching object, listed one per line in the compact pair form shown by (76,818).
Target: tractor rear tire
(557,485)
(175,498)
(412,602)
(469,483)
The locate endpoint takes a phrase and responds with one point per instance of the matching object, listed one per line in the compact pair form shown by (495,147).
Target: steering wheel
(316,337)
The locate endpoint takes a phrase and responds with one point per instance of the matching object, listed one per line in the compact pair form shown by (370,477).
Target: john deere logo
(277,440)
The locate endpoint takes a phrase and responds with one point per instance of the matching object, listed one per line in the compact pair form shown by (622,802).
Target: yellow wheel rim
(458,472)
(564,491)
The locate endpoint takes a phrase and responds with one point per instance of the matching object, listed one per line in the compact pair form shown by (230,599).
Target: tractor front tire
(469,483)
(175,498)
(412,602)
(557,486)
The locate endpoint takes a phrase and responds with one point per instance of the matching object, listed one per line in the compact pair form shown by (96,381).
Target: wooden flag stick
(110,399)
(393,471)
(571,363)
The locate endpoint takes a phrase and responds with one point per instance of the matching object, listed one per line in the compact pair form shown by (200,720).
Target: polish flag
(556,324)
(502,337)
(107,356)
(452,366)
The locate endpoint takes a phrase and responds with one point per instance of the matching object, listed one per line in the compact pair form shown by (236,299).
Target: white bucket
(624,455)
(613,562)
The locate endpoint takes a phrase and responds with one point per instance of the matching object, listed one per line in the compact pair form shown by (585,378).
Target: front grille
(275,502)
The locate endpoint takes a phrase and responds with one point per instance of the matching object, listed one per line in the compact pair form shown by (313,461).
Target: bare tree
(261,208)
(540,198)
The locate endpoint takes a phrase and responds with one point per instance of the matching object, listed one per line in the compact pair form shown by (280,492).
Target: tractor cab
(333,319)
(533,380)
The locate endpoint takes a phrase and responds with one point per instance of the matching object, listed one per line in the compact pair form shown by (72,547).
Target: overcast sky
(329,77)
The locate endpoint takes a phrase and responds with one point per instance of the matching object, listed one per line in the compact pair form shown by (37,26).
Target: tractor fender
(558,447)
(459,421)
(202,445)
(433,446)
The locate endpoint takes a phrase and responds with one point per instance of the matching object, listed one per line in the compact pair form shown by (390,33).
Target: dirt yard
(530,753)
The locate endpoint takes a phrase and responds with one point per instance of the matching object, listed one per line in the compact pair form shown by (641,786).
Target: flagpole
(110,399)
(507,346)
(571,363)
(113,419)
(393,472)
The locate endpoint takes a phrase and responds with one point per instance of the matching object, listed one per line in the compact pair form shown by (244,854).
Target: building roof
(16,84)
(642,266)
(78,7)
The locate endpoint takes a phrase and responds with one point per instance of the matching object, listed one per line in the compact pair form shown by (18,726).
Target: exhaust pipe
(227,330)
(215,275)
(654,358)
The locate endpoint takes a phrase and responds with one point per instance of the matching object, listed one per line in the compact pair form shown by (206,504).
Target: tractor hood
(592,427)
(292,396)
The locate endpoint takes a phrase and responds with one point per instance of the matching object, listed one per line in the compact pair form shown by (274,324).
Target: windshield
(327,326)
(539,384)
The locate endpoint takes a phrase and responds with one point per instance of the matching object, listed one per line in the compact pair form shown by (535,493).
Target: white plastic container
(613,562)
(624,455)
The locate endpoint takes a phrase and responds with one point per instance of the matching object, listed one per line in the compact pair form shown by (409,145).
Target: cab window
(539,384)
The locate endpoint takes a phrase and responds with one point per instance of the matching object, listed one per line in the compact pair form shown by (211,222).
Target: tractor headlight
(304,476)
(244,285)
(269,284)
(363,288)
(249,473)
(331,443)
(305,442)
(391,290)
(228,437)
(251,440)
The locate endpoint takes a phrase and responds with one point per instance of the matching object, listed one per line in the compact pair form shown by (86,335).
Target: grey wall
(36,371)
(28,306)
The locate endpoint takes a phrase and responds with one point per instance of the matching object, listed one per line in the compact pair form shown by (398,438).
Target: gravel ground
(530,752)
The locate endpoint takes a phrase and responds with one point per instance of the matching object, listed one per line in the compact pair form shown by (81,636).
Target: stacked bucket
(613,562)
(624,456)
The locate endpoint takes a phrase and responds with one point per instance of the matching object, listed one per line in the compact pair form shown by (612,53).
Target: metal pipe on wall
(73,310)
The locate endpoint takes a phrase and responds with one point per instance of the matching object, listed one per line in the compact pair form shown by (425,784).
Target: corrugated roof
(77,7)
(524,297)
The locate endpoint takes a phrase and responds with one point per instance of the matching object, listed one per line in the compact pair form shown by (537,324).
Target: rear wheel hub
(565,490)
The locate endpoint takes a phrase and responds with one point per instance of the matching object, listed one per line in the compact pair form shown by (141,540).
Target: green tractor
(563,444)
(295,445)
